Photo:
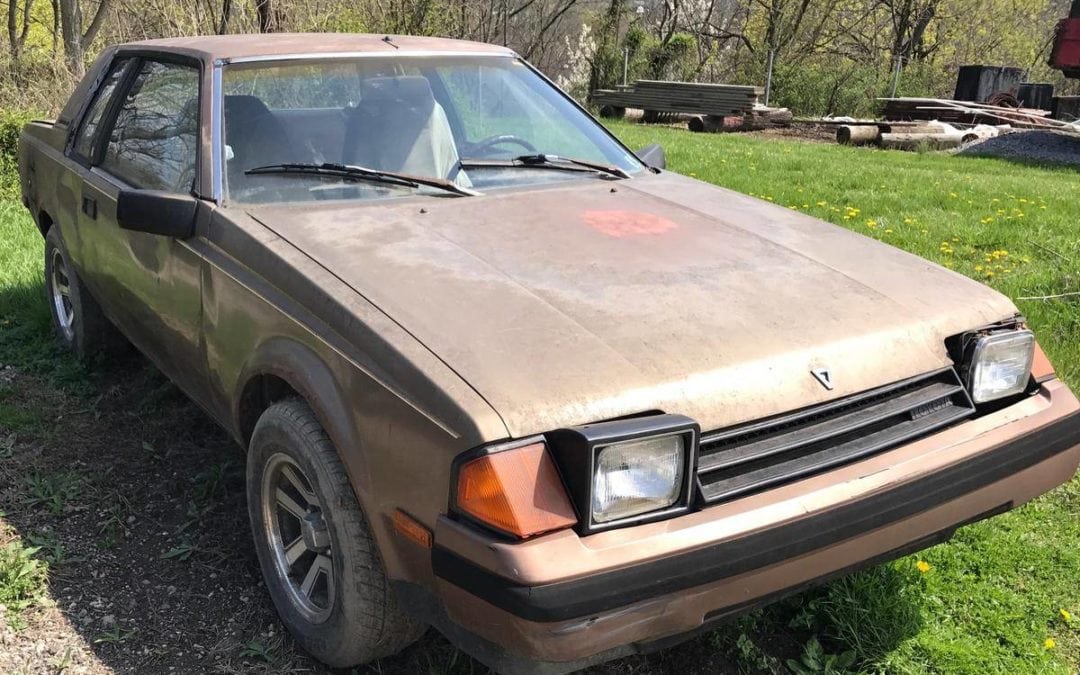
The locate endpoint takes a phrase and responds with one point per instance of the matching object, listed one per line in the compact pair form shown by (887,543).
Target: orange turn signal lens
(1041,368)
(515,491)
(411,528)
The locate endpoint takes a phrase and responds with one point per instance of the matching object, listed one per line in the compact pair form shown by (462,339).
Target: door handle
(89,207)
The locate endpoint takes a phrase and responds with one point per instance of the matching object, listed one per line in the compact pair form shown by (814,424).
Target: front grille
(778,450)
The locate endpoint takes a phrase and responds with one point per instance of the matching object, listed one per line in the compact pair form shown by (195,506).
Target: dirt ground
(137,499)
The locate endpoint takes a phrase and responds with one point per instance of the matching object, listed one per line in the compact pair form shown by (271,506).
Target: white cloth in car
(398,126)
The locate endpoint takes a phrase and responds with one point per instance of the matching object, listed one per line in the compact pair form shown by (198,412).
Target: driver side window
(154,141)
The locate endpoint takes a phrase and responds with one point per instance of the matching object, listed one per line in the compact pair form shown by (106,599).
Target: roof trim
(325,56)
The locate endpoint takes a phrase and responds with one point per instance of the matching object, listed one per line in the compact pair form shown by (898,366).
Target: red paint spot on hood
(627,223)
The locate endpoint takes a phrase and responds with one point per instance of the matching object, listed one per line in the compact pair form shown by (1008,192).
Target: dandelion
(1065,615)
(871,224)
(1050,643)
(922,566)
(822,203)
(888,231)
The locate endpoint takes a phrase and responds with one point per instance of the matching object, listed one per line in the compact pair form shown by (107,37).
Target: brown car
(497,374)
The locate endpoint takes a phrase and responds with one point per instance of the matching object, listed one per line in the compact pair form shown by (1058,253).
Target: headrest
(413,91)
(243,108)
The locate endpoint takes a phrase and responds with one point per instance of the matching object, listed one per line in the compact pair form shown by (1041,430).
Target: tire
(345,620)
(77,319)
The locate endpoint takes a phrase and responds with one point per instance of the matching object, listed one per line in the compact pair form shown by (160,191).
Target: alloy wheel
(299,538)
(60,290)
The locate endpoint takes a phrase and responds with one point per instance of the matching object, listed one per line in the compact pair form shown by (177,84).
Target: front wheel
(316,552)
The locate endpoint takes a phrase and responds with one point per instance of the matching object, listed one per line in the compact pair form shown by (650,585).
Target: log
(612,112)
(858,135)
(912,141)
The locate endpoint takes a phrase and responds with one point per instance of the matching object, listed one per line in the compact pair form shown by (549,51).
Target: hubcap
(299,539)
(60,289)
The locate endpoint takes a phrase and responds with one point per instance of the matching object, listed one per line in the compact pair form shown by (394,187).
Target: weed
(814,661)
(50,548)
(211,483)
(22,579)
(257,650)
(53,492)
(181,552)
(115,635)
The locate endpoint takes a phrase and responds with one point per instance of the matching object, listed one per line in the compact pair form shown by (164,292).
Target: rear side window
(84,140)
(154,142)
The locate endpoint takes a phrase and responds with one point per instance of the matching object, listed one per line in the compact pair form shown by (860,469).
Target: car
(498,374)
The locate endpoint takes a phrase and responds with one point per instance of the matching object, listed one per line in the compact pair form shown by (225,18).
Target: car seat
(399,126)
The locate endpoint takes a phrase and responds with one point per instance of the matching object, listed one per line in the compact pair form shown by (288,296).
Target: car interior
(396,126)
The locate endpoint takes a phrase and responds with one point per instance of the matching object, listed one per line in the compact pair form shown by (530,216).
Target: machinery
(1066,53)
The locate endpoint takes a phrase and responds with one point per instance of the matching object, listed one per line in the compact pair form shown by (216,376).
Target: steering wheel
(490,142)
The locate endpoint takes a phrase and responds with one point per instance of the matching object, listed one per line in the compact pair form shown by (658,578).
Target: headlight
(1000,365)
(637,477)
(627,471)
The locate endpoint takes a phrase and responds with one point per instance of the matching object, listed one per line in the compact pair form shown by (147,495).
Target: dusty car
(494,372)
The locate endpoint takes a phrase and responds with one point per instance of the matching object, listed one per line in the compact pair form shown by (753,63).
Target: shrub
(11,123)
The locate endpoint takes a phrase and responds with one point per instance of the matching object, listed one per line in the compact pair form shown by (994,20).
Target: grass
(987,602)
(993,597)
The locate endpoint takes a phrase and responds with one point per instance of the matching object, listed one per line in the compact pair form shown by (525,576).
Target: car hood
(596,299)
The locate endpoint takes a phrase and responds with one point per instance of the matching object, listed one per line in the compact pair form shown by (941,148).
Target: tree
(16,33)
(76,40)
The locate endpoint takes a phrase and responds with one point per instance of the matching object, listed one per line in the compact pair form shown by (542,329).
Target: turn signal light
(1041,368)
(516,491)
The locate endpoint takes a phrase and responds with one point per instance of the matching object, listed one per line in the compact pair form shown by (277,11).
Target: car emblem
(823,376)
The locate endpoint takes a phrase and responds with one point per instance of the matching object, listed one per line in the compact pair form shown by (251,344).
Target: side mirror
(653,155)
(155,212)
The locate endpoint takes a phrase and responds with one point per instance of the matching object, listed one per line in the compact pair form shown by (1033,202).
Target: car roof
(246,46)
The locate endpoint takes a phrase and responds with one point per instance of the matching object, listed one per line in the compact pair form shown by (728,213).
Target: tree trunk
(75,40)
(269,18)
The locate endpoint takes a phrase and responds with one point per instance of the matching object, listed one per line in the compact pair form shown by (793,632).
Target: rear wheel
(318,557)
(77,319)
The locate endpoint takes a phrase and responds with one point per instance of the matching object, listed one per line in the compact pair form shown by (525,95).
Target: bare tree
(76,40)
(16,33)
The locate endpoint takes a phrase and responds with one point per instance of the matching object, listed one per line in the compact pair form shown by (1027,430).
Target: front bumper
(561,601)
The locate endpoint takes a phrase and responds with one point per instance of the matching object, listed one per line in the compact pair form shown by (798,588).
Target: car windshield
(480,122)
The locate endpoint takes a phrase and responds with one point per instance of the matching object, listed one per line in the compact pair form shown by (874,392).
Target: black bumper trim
(610,590)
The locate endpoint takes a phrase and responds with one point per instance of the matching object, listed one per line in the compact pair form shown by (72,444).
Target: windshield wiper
(352,171)
(543,161)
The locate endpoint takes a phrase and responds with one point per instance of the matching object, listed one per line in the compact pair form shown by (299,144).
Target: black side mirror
(653,156)
(155,212)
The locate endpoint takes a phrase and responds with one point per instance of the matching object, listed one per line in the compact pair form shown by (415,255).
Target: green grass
(994,594)
(991,597)
(23,579)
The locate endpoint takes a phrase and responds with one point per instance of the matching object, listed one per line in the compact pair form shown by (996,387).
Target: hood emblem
(823,376)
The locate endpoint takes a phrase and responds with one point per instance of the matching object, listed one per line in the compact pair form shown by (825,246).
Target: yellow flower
(922,566)
(1065,615)
(1049,644)
(888,231)
(821,203)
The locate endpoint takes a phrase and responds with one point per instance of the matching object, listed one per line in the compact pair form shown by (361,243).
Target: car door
(149,285)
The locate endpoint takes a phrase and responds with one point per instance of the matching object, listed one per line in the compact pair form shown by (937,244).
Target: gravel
(1041,147)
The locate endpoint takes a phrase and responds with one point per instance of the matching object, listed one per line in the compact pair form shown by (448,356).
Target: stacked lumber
(658,97)
(965,112)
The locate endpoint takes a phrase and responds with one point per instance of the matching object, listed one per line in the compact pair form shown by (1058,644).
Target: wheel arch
(282,368)
(44,222)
